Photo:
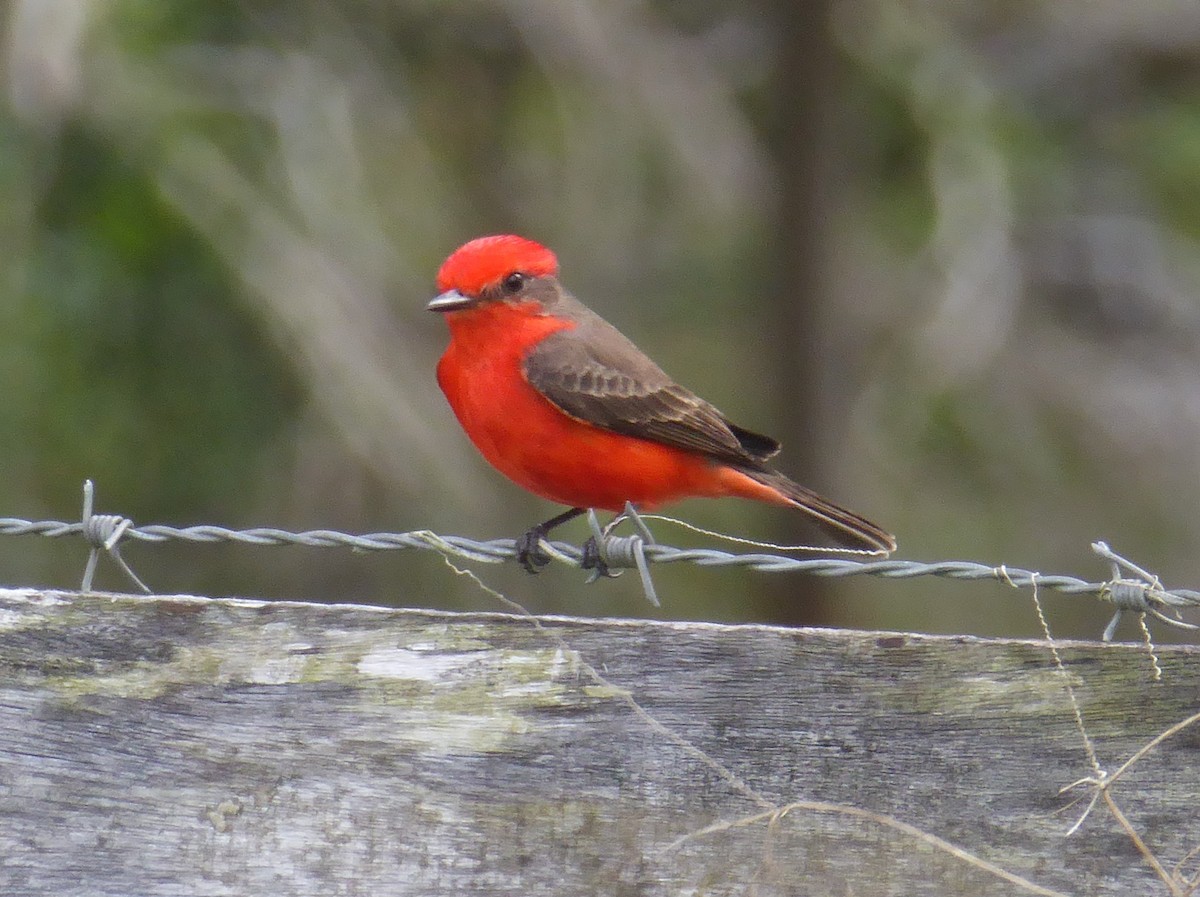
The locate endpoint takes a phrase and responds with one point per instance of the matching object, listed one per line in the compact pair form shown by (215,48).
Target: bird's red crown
(487,260)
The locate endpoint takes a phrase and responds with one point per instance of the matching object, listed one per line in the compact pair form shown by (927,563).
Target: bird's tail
(843,526)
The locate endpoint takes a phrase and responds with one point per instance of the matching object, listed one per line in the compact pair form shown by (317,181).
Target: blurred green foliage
(174,398)
(221,222)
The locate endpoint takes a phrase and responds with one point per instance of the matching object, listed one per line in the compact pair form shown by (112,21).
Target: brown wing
(593,373)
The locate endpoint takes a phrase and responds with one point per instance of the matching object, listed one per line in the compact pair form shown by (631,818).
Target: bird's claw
(529,550)
(593,560)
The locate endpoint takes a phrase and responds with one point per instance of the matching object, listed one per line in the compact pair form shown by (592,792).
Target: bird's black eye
(514,282)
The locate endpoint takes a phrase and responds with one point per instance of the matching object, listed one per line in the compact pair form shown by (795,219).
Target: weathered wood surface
(188,746)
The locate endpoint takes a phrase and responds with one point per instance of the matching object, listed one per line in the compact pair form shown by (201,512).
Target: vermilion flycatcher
(563,404)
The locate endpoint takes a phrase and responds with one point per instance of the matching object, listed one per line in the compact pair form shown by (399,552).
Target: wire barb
(103,531)
(1144,595)
(625,551)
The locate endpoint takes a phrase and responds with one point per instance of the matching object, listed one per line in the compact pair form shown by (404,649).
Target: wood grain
(177,745)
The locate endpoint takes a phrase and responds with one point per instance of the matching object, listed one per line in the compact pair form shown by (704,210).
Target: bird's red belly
(553,455)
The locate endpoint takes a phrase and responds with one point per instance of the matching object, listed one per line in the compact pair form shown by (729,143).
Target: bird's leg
(529,552)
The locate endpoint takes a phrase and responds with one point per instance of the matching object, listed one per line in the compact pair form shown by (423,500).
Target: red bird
(563,404)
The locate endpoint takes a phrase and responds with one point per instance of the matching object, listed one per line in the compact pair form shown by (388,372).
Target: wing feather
(594,374)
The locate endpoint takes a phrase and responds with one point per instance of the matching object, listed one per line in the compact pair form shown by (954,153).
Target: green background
(946,252)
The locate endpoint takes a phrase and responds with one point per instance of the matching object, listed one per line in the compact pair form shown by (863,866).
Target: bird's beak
(451,300)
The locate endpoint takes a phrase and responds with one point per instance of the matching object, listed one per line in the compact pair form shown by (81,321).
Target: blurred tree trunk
(799,139)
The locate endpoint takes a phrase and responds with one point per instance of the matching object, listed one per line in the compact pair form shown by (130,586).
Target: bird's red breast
(535,444)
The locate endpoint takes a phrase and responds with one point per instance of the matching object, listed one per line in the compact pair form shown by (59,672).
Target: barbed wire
(1141,592)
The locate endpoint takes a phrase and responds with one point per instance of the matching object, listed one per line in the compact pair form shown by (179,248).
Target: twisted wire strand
(500,550)
(1142,594)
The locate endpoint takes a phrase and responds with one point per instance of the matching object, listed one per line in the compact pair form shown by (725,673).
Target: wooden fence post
(180,745)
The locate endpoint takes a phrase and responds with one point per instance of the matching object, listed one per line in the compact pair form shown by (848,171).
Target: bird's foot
(530,554)
(593,560)
(529,550)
